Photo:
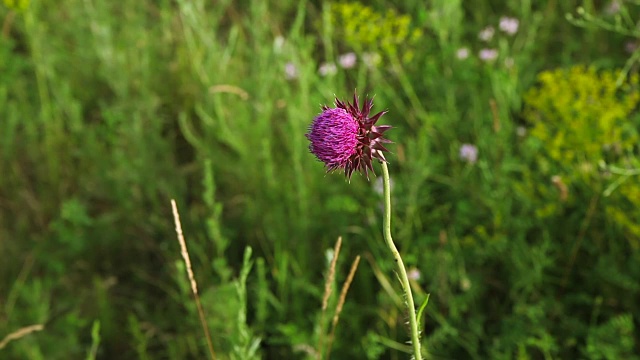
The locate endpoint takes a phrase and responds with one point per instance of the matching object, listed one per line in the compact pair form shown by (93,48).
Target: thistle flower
(346,137)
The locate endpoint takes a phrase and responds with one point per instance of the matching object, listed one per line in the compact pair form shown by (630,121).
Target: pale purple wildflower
(614,7)
(488,54)
(462,53)
(348,60)
(414,274)
(328,69)
(346,137)
(486,34)
(469,153)
(290,71)
(509,25)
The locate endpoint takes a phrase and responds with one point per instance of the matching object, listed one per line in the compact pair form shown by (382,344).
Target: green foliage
(246,346)
(612,340)
(95,340)
(110,109)
(19,5)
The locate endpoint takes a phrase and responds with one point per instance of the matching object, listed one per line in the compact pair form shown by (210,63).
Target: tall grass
(110,109)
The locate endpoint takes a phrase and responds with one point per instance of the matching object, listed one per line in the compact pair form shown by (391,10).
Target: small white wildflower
(488,54)
(614,7)
(327,69)
(509,25)
(348,60)
(469,153)
(290,71)
(414,274)
(462,53)
(487,33)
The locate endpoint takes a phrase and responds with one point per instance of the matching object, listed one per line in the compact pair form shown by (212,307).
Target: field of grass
(515,170)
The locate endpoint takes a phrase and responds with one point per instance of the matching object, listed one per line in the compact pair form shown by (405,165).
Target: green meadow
(515,171)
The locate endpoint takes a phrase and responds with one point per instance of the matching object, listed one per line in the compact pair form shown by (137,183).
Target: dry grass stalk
(192,280)
(231,89)
(341,300)
(327,293)
(20,333)
(331,275)
(7,23)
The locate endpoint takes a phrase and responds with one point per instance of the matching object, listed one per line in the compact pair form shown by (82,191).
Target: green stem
(404,279)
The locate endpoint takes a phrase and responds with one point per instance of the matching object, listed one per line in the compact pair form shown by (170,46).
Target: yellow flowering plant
(583,123)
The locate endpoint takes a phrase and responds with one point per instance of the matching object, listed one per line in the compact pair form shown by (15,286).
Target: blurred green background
(515,175)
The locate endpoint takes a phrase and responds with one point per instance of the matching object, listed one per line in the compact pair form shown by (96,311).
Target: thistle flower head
(346,137)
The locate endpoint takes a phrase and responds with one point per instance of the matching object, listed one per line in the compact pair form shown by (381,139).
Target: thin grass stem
(328,287)
(20,333)
(341,301)
(192,280)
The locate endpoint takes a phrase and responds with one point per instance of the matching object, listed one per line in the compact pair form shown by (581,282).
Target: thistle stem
(404,279)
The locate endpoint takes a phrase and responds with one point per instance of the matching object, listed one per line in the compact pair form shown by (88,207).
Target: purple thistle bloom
(334,136)
(345,137)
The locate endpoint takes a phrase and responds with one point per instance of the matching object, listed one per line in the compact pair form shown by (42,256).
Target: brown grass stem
(20,333)
(328,287)
(341,301)
(192,280)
